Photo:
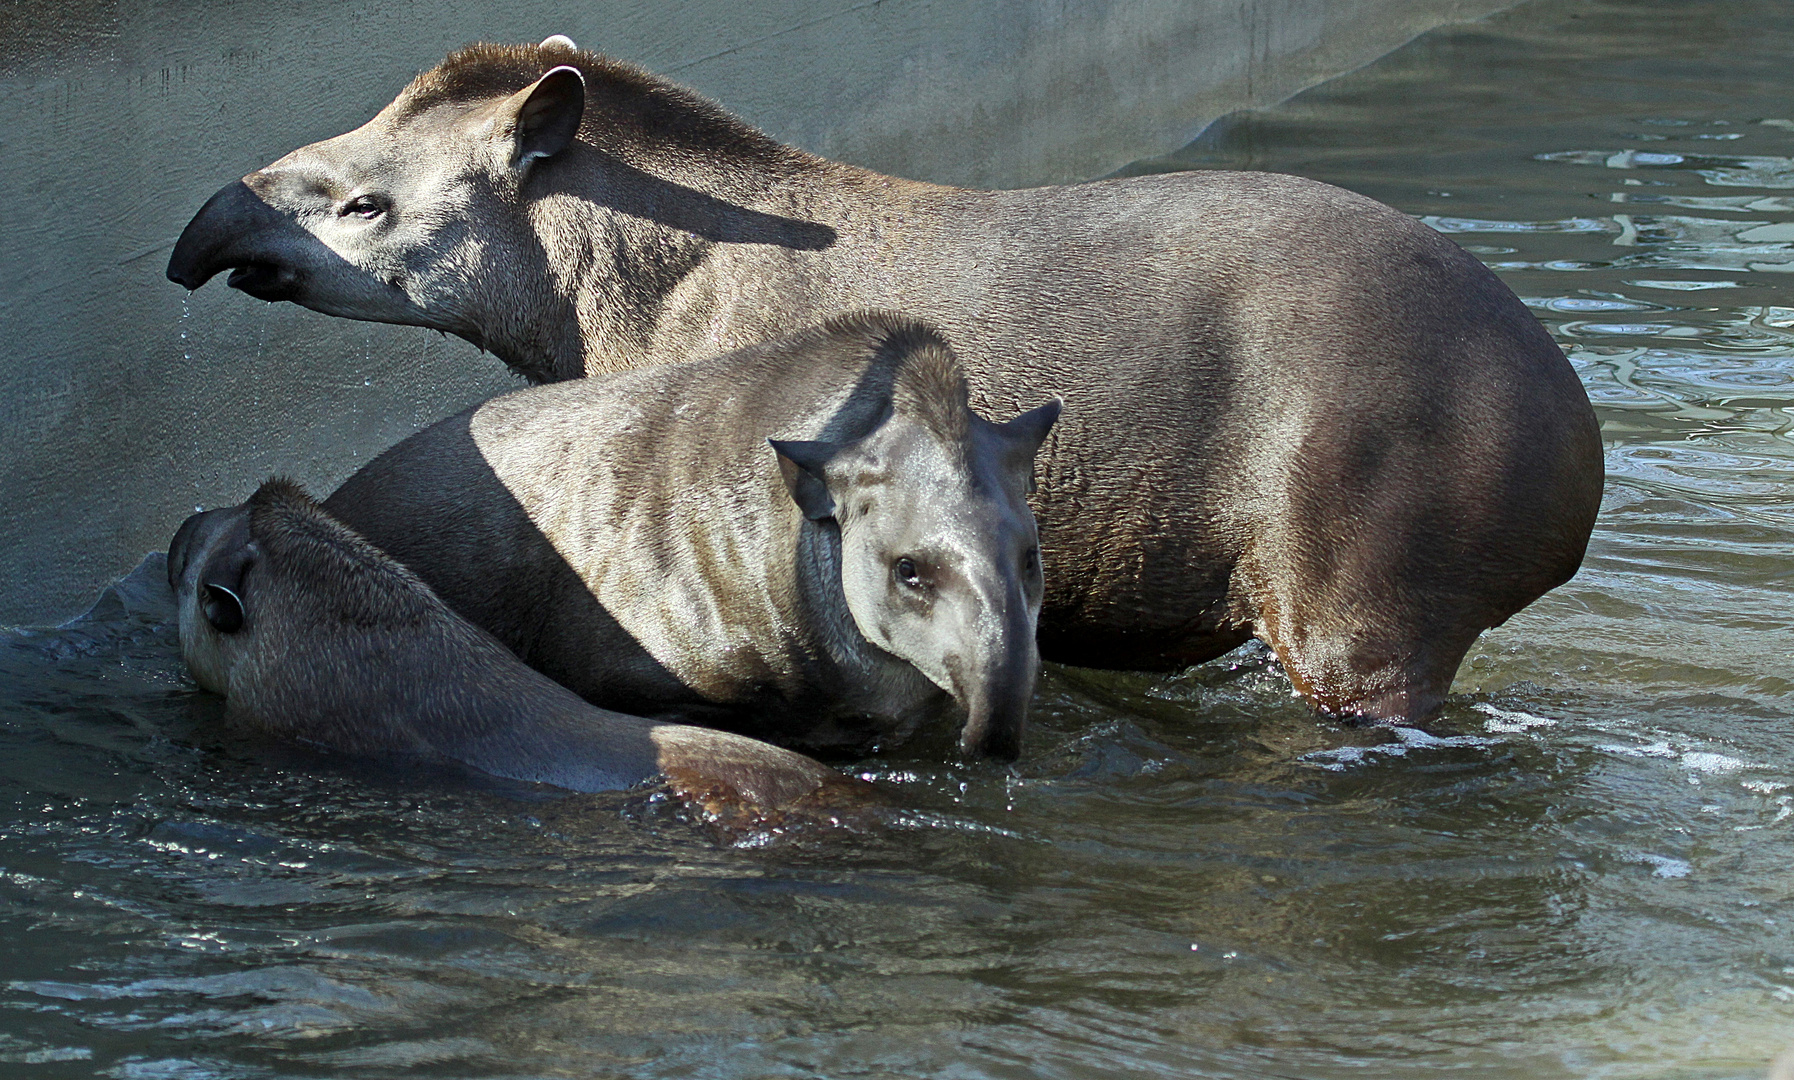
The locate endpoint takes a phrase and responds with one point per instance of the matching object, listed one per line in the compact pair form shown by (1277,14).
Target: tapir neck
(651,266)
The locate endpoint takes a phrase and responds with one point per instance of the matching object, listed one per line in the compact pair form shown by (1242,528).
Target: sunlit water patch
(1581,869)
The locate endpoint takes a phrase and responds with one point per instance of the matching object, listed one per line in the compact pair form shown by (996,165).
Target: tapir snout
(996,684)
(249,228)
(234,231)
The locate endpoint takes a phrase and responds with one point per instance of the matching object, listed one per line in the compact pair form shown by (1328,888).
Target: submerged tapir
(1292,412)
(313,634)
(635,537)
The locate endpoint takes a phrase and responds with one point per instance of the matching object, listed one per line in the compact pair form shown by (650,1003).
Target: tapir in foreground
(636,538)
(311,633)
(1292,412)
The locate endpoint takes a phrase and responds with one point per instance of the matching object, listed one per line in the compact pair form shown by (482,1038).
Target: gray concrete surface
(125,403)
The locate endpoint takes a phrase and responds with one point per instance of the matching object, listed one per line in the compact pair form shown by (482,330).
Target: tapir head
(419,216)
(940,560)
(209,566)
(253,579)
(518,196)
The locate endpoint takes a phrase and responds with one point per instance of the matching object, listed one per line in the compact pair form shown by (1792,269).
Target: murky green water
(1585,869)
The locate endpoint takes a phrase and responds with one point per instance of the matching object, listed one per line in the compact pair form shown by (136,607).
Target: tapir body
(636,537)
(313,634)
(1292,412)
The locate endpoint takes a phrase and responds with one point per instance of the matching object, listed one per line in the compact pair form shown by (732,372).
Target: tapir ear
(1030,429)
(546,115)
(222,607)
(221,588)
(802,465)
(1025,434)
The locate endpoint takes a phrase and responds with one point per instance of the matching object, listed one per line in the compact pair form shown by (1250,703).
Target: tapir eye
(905,569)
(367,207)
(1031,561)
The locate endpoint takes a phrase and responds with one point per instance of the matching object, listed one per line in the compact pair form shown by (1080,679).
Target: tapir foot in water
(1345,664)
(1363,678)
(734,789)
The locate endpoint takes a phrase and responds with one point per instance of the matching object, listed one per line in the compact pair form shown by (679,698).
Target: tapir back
(573,521)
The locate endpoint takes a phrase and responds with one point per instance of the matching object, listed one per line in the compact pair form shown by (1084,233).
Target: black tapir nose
(224,234)
(1001,741)
(1001,686)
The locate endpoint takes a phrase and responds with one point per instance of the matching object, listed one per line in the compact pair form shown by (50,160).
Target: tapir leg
(1388,563)
(1366,629)
(1348,663)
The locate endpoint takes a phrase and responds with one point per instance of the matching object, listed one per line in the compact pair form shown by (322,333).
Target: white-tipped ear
(545,115)
(221,586)
(557,41)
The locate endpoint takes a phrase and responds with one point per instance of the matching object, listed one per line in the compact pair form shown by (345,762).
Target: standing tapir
(1292,412)
(635,538)
(312,633)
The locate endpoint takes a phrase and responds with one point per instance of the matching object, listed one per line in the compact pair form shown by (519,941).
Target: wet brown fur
(910,364)
(930,386)
(365,588)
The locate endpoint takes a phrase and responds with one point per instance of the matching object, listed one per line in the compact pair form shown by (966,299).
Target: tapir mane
(625,105)
(339,572)
(926,382)
(930,388)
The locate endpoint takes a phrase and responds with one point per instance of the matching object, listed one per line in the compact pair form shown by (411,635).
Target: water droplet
(186,313)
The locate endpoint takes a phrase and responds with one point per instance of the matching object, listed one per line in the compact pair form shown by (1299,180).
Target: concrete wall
(125,403)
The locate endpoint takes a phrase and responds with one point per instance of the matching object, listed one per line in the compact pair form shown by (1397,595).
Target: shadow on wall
(124,405)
